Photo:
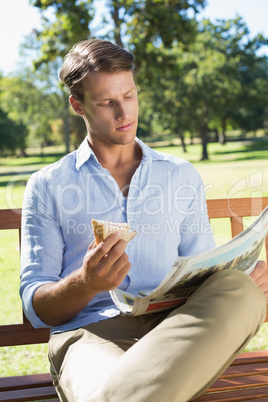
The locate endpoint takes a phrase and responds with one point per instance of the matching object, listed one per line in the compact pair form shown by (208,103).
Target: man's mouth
(126,127)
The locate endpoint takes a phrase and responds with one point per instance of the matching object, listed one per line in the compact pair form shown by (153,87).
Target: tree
(214,75)
(30,102)
(252,100)
(71,25)
(139,25)
(242,76)
(193,76)
(157,23)
(12,135)
(126,22)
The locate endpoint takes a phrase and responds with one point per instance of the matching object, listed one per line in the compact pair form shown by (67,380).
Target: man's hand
(104,268)
(106,265)
(260,276)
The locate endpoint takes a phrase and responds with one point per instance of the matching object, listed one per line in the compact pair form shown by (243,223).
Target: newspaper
(187,273)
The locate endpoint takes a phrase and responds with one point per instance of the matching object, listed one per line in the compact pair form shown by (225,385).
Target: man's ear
(76,105)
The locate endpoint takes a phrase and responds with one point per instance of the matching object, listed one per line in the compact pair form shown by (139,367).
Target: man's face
(110,107)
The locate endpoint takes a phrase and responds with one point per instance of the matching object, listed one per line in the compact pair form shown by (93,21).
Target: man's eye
(105,104)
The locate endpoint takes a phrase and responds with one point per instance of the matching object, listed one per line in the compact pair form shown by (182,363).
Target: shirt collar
(148,154)
(85,152)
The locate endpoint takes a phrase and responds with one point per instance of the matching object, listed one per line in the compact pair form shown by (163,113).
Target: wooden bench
(245,380)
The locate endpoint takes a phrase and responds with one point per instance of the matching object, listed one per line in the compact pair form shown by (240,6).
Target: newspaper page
(187,273)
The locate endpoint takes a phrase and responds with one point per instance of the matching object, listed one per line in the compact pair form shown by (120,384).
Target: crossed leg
(170,356)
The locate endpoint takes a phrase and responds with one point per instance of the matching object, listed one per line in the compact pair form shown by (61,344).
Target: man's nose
(121,112)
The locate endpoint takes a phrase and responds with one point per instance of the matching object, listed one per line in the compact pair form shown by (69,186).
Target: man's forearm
(56,303)
(104,268)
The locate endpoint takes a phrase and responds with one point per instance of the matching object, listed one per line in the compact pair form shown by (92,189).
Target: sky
(17,19)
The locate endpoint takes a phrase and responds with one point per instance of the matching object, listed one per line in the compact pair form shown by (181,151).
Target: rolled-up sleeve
(42,244)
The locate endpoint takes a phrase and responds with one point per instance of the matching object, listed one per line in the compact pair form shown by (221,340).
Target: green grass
(9,258)
(23,360)
(17,360)
(14,173)
(233,170)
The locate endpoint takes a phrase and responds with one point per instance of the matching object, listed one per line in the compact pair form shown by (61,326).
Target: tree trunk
(242,133)
(191,138)
(222,136)
(117,22)
(183,145)
(204,138)
(217,139)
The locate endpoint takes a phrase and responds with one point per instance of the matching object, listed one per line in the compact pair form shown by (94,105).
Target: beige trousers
(171,356)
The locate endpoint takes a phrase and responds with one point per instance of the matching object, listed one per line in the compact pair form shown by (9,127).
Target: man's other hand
(260,276)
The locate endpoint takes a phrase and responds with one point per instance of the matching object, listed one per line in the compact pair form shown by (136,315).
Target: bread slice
(102,229)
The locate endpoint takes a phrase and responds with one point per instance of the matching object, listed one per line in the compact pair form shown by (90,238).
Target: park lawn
(236,169)
(239,172)
(17,360)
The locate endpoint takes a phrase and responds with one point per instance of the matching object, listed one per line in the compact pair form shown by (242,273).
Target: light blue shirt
(165,205)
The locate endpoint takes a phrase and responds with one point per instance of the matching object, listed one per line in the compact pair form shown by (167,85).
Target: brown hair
(93,55)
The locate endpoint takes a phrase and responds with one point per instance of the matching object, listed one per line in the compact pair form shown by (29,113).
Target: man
(96,353)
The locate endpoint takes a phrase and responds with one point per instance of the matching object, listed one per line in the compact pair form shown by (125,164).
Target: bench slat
(236,209)
(25,381)
(259,356)
(31,394)
(22,334)
(246,370)
(266,248)
(249,394)
(252,400)
(226,384)
(10,219)
(225,208)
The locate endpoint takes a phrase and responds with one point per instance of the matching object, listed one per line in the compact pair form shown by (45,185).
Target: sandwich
(102,229)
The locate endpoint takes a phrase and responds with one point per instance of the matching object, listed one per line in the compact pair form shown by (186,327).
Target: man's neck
(115,156)
(121,161)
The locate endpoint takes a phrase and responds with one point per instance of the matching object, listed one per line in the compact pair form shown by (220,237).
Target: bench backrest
(24,333)
(234,209)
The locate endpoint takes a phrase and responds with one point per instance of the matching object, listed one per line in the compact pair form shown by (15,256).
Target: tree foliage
(69,25)
(195,78)
(140,25)
(29,101)
(12,135)
(220,80)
